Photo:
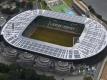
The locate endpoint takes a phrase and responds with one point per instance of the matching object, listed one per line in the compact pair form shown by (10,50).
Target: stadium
(55,34)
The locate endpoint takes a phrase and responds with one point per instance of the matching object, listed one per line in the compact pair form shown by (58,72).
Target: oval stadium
(55,34)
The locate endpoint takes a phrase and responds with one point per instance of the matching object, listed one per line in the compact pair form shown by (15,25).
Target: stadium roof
(92,40)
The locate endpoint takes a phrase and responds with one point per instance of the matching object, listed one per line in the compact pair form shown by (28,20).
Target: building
(92,41)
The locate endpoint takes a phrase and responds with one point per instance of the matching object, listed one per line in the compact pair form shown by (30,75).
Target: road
(100,6)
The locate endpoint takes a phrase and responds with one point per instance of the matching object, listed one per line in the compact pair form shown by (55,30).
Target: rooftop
(92,40)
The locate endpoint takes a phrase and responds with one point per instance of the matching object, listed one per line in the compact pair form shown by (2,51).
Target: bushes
(4,68)
(30,5)
(9,11)
(87,78)
(15,72)
(43,77)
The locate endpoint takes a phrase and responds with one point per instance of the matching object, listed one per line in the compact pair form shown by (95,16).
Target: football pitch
(53,36)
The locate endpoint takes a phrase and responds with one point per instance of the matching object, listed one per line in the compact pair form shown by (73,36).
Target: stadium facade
(92,40)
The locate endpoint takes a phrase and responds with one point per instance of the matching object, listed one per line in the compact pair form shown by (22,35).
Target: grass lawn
(68,2)
(53,36)
(60,8)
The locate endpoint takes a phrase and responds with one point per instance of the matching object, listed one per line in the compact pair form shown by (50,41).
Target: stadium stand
(92,40)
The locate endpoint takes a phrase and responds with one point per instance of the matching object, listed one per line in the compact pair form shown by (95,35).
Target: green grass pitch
(53,36)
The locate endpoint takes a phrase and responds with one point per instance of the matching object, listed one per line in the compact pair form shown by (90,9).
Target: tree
(30,74)
(9,11)
(2,1)
(3,76)
(4,68)
(99,16)
(15,72)
(91,9)
(14,67)
(43,77)
(87,78)
(30,5)
(14,75)
(18,4)
(23,4)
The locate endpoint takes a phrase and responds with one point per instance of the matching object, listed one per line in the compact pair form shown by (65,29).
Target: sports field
(53,36)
